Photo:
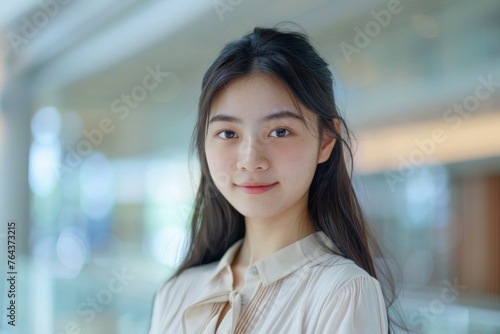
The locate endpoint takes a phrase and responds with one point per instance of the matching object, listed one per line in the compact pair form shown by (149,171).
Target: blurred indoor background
(98,100)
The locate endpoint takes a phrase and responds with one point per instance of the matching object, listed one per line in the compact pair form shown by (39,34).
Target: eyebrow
(278,115)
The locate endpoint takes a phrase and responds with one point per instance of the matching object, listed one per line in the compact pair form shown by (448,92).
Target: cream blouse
(299,289)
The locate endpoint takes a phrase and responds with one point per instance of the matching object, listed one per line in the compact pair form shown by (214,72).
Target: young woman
(278,243)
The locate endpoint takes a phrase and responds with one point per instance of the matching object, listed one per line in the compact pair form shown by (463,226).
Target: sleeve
(358,307)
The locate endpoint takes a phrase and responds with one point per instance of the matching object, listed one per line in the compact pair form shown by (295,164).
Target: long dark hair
(332,203)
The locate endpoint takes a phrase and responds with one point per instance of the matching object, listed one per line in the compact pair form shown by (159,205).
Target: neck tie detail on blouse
(233,297)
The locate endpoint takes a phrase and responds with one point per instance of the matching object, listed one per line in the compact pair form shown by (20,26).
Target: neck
(266,236)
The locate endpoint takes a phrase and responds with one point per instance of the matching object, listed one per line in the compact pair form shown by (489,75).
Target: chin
(257,213)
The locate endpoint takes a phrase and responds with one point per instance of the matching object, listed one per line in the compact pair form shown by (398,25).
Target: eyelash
(289,133)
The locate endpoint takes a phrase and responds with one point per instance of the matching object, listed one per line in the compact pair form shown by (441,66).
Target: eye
(281,132)
(230,134)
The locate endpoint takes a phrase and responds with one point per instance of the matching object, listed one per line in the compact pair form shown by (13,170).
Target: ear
(328,143)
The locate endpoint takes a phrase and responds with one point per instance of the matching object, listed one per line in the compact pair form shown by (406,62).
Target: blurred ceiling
(87,54)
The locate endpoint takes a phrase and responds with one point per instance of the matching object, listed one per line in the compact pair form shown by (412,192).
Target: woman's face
(255,135)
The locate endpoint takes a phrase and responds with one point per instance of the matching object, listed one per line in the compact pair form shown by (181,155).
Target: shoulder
(337,273)
(351,299)
(177,293)
(183,284)
(339,282)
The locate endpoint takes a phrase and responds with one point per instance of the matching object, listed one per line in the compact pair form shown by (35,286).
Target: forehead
(254,97)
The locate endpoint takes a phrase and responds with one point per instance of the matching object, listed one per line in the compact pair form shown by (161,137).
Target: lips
(254,188)
(255,184)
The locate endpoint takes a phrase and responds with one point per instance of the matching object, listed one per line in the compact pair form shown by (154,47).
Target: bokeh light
(168,246)
(96,184)
(72,249)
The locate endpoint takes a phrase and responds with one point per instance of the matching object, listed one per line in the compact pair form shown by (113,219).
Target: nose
(251,156)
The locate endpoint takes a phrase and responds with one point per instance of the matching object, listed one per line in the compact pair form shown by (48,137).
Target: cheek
(300,153)
(219,166)
(295,162)
(212,160)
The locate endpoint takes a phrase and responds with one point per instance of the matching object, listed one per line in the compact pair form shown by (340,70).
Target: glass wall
(98,100)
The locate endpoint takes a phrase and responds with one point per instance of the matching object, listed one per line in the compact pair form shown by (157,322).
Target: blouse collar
(283,262)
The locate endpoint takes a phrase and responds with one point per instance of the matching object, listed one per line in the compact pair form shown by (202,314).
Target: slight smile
(256,189)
